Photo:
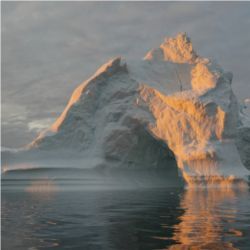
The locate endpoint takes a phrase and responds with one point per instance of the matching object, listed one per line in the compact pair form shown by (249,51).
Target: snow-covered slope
(173,104)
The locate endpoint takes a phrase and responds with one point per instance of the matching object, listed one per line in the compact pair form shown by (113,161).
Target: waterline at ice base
(172,111)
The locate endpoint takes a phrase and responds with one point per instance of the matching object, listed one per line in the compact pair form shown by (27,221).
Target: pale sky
(48,48)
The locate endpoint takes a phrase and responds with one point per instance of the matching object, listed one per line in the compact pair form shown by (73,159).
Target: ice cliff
(173,104)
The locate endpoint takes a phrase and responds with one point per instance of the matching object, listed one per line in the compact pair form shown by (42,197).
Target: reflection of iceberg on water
(210,218)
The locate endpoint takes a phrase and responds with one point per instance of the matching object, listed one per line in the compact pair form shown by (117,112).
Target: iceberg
(171,106)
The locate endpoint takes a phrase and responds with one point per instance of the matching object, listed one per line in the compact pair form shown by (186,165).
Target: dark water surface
(40,214)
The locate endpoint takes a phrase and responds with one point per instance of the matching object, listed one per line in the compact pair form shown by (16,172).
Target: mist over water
(120,211)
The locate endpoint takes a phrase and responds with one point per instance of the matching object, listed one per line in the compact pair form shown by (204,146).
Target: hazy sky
(48,48)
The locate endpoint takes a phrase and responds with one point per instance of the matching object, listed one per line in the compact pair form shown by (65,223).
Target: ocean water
(94,212)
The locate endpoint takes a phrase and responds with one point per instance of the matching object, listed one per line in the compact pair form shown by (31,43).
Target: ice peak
(178,49)
(111,67)
(105,71)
